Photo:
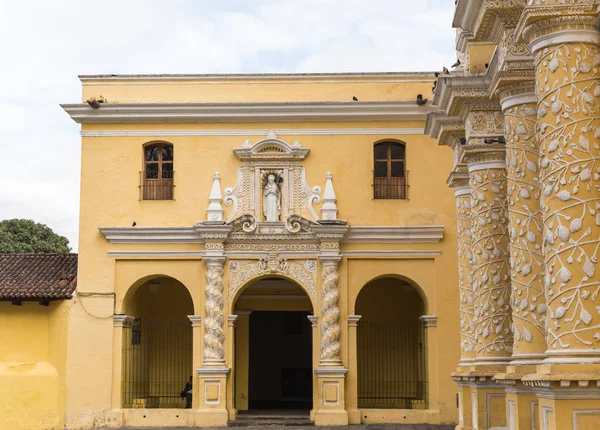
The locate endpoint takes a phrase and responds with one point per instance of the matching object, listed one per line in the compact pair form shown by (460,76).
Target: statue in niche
(271,199)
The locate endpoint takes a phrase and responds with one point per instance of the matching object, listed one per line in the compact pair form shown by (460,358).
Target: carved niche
(272,156)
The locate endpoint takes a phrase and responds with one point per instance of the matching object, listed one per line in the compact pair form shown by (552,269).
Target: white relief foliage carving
(214,320)
(302,271)
(491,271)
(306,196)
(482,123)
(526,230)
(239,196)
(569,129)
(465,275)
(330,311)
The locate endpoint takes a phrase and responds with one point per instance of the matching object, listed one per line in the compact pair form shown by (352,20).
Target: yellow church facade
(286,246)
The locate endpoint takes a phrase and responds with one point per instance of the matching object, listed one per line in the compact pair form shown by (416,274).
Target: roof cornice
(104,78)
(138,113)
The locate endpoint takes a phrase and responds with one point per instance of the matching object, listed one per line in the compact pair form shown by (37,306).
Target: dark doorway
(280,374)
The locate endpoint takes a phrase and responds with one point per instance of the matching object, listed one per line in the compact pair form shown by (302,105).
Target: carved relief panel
(272,184)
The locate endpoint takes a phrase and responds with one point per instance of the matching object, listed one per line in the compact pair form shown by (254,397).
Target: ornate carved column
(491,268)
(491,281)
(525,224)
(214,397)
(567,58)
(214,337)
(331,374)
(330,314)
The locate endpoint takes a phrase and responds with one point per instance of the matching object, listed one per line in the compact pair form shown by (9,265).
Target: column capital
(546,25)
(353,320)
(429,320)
(314,320)
(243,313)
(517,94)
(196,320)
(231,320)
(481,157)
(122,320)
(215,260)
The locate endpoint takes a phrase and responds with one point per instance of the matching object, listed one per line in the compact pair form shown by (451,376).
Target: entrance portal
(273,360)
(280,360)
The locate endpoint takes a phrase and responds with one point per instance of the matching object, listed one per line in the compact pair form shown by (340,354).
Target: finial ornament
(329,208)
(214,212)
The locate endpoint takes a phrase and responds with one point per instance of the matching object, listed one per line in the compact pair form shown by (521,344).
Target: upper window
(157,177)
(389,171)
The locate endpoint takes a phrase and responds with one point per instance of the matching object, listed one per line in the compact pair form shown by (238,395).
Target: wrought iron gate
(392,366)
(157,363)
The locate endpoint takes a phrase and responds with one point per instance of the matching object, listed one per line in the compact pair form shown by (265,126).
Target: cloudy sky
(45,44)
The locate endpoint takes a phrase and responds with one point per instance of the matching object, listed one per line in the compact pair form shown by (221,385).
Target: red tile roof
(37,276)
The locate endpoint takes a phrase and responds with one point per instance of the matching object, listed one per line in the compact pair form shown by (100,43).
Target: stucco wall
(32,365)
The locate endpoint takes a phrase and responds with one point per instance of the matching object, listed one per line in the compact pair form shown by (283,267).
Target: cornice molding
(244,77)
(143,113)
(437,122)
(254,132)
(354,234)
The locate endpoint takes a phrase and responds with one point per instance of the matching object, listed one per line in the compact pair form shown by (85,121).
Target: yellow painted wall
(32,365)
(110,197)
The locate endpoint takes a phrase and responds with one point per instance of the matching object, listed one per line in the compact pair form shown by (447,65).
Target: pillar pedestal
(331,403)
(212,410)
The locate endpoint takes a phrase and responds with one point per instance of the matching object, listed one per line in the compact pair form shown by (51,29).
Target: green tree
(19,236)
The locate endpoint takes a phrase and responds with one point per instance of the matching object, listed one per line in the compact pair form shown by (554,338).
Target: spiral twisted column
(491,269)
(330,313)
(214,337)
(567,62)
(528,302)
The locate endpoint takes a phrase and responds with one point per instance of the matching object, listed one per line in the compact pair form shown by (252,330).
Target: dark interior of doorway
(280,374)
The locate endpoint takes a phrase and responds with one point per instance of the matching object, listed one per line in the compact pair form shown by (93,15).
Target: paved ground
(353,427)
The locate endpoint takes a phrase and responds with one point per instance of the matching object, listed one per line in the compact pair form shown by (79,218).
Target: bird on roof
(490,140)
(94,103)
(134,224)
(446,71)
(354,98)
(420,100)
(455,65)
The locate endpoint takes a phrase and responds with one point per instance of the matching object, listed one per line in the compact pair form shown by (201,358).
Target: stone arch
(405,279)
(391,344)
(125,300)
(302,273)
(239,291)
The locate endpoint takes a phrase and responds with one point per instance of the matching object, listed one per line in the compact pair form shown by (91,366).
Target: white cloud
(46,44)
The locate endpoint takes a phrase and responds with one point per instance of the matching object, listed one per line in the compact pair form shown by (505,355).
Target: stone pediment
(271,148)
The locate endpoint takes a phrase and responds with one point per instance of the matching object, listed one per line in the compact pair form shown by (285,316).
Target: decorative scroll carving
(214,320)
(491,266)
(569,128)
(297,223)
(246,223)
(239,196)
(330,311)
(526,232)
(483,124)
(302,271)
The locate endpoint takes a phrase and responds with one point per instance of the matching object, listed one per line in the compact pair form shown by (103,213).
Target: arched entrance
(391,346)
(273,348)
(157,345)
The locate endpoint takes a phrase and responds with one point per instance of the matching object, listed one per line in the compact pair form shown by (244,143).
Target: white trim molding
(565,36)
(144,113)
(391,253)
(151,234)
(255,132)
(577,412)
(484,165)
(518,99)
(429,320)
(395,234)
(157,254)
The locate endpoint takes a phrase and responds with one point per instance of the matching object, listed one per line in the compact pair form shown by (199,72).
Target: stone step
(271,421)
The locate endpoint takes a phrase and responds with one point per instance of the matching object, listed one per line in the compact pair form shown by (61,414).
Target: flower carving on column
(330,311)
(214,320)
(526,228)
(568,89)
(491,262)
(465,275)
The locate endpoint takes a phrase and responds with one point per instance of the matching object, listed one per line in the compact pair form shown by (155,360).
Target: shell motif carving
(491,271)
(568,91)
(330,328)
(214,320)
(465,275)
(526,230)
(302,271)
